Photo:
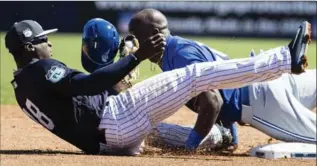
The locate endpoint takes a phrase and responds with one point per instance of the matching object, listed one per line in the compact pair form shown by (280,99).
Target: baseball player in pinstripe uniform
(64,101)
(180,52)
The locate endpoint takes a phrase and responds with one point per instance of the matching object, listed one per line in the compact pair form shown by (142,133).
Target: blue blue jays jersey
(181,52)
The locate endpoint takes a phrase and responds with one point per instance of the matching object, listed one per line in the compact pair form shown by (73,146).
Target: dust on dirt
(23,142)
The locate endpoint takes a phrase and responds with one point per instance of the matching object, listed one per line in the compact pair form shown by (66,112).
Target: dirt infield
(23,142)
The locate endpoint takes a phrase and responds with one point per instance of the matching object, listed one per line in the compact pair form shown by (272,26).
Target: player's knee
(211,100)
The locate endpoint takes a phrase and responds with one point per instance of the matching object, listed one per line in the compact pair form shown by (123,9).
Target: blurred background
(231,27)
(247,19)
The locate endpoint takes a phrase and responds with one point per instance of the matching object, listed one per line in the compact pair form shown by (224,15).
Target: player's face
(143,33)
(43,48)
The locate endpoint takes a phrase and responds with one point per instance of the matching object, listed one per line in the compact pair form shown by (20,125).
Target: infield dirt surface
(23,142)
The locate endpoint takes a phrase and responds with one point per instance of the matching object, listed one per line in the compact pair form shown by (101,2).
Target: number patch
(37,115)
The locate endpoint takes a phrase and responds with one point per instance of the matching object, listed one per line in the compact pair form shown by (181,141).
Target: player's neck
(22,63)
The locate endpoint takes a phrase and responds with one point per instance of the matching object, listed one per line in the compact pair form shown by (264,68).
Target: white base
(285,150)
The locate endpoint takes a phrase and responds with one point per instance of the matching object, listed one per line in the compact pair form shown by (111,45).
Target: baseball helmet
(100,42)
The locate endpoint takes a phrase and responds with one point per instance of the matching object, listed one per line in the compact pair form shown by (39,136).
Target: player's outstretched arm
(108,76)
(103,78)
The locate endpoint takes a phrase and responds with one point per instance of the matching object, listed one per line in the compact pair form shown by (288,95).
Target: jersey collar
(168,40)
(16,72)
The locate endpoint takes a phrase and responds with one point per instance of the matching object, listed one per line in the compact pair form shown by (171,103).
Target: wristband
(193,140)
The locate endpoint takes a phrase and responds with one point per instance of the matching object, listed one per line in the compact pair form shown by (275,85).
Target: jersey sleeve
(58,77)
(72,82)
(187,56)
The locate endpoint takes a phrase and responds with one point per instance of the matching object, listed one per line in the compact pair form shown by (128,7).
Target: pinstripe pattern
(130,115)
(175,136)
(170,135)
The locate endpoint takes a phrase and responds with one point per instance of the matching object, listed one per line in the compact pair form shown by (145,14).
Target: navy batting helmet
(100,42)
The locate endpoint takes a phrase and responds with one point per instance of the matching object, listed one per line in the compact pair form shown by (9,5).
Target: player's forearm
(103,78)
(207,106)
(205,120)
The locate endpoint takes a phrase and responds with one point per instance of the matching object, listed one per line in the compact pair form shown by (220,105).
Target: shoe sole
(305,43)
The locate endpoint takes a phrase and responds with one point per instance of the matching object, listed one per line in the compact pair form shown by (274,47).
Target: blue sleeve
(186,56)
(70,82)
(234,133)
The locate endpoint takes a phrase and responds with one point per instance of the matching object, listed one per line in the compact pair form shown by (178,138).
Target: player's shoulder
(184,42)
(48,65)
(181,51)
(52,69)
(185,45)
(49,62)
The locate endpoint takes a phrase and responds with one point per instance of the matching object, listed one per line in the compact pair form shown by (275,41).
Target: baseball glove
(128,45)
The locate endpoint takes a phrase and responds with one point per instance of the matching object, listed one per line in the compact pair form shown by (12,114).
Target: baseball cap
(26,31)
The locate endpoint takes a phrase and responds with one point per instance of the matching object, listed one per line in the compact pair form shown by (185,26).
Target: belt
(245,96)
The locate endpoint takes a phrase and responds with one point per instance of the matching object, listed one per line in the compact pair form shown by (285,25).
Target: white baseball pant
(282,108)
(131,115)
(175,136)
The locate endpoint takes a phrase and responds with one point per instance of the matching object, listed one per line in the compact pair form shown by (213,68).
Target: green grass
(66,47)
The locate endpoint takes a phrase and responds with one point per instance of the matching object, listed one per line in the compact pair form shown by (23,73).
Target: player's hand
(154,45)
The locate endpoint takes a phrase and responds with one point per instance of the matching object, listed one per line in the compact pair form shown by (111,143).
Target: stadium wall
(240,19)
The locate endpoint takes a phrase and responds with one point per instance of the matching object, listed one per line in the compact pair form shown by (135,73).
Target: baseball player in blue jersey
(281,108)
(64,101)
(180,52)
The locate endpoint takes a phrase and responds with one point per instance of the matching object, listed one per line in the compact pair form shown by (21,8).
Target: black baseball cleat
(298,48)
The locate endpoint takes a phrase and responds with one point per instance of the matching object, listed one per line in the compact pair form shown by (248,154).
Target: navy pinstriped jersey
(43,92)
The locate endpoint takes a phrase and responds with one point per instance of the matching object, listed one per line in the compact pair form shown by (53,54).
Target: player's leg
(304,87)
(166,135)
(130,115)
(275,111)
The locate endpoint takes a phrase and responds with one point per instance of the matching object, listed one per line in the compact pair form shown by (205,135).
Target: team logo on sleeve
(55,74)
